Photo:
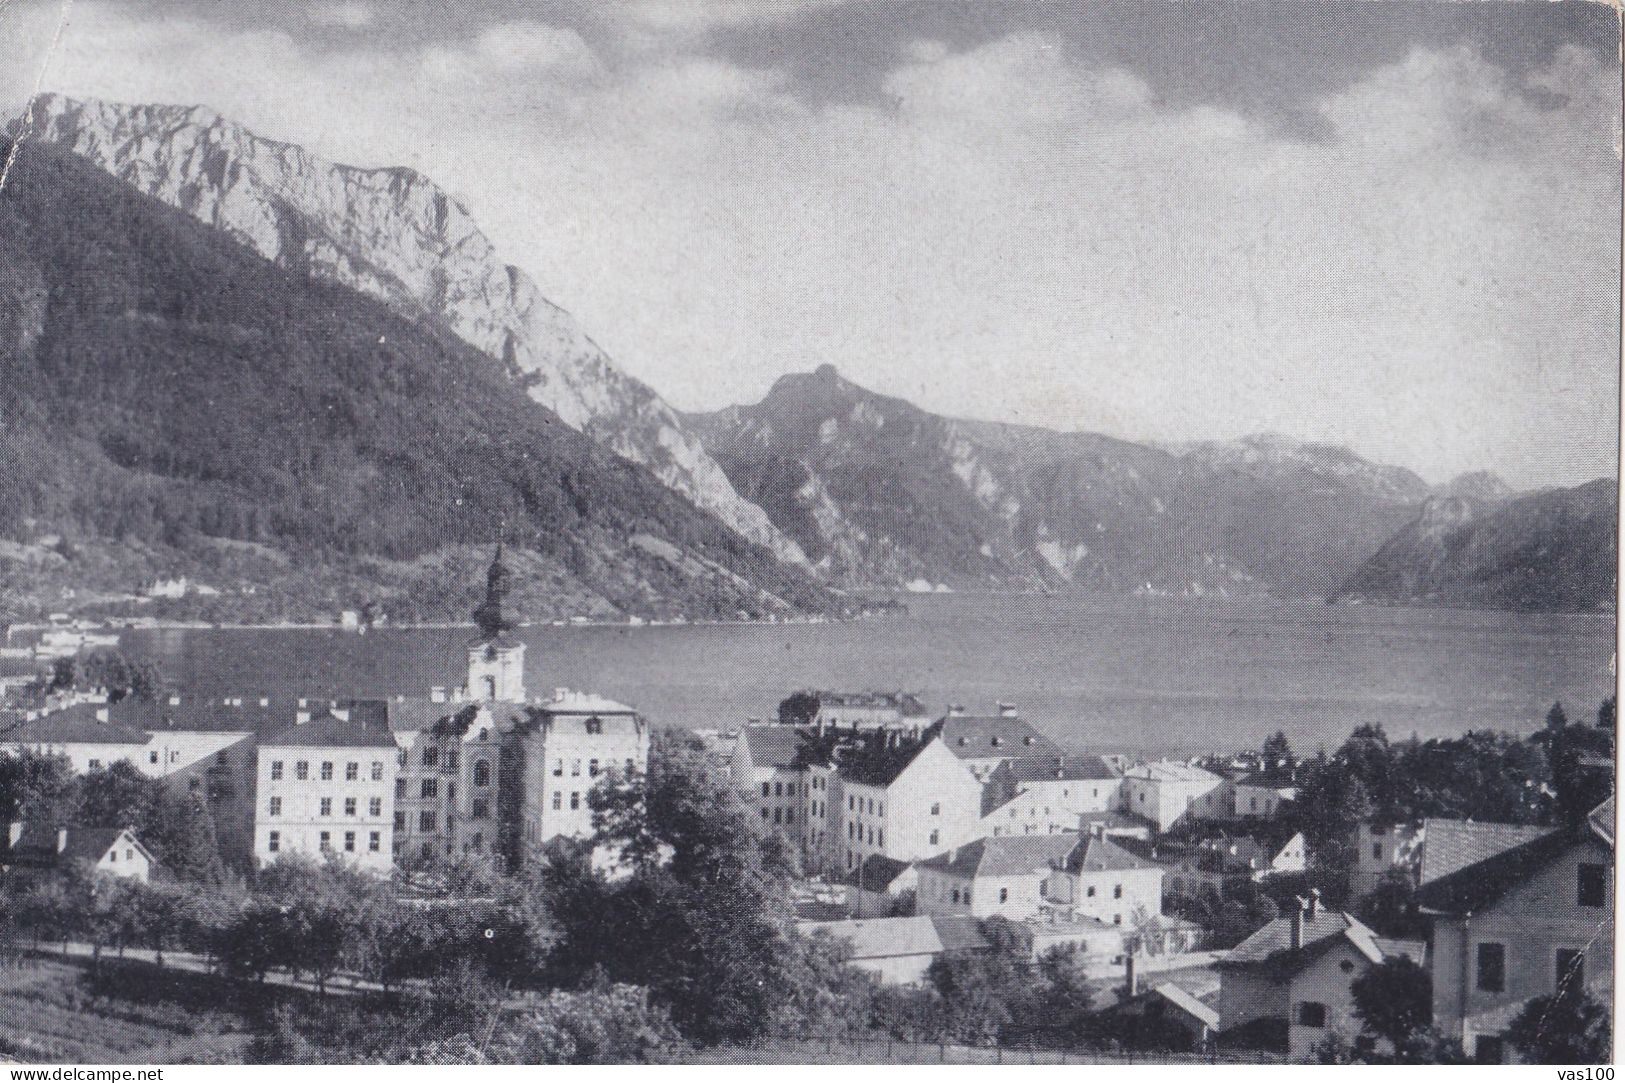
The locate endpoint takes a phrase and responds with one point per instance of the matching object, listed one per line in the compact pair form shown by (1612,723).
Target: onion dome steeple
(492,616)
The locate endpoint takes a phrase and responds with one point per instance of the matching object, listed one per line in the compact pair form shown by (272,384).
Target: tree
(117,795)
(111,671)
(799,708)
(1277,751)
(1394,1001)
(180,833)
(1569,1027)
(1390,908)
(38,788)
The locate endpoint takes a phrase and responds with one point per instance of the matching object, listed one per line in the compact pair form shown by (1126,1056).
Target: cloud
(349,14)
(1010,231)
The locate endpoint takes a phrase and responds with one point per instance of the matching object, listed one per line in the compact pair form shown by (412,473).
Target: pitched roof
(1476,886)
(1058,767)
(76,725)
(1602,821)
(1448,845)
(879,763)
(1271,947)
(883,938)
(1004,855)
(38,843)
(1268,780)
(327,730)
(774,745)
(877,872)
(1170,771)
(1095,854)
(1188,1004)
(971,737)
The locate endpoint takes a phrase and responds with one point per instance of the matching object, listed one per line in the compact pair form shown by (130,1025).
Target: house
(1261,794)
(1102,880)
(1430,849)
(1005,876)
(1042,795)
(904,798)
(326,786)
(1167,793)
(1297,973)
(570,744)
(899,951)
(869,710)
(1176,1013)
(41,848)
(1517,925)
(85,735)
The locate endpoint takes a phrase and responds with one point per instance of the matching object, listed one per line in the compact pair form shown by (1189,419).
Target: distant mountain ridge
(1551,550)
(172,403)
(393,234)
(878,491)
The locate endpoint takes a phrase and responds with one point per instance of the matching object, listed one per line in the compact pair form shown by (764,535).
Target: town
(1300,908)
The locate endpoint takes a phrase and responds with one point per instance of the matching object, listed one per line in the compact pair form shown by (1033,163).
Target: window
(480,809)
(575,768)
(1592,886)
(1489,1049)
(400,787)
(482,772)
(575,800)
(95,765)
(349,806)
(592,768)
(274,843)
(1492,968)
(595,725)
(400,757)
(352,771)
(764,812)
(112,857)
(1571,970)
(276,769)
(425,821)
(851,803)
(378,770)
(374,841)
(1090,891)
(778,815)
(301,770)
(955,894)
(767,789)
(1376,851)
(349,842)
(327,770)
(630,767)
(1117,891)
(400,821)
(430,787)
(431,757)
(558,768)
(933,838)
(1311,1014)
(558,799)
(326,841)
(1004,894)
(152,757)
(327,806)
(936,808)
(276,806)
(375,806)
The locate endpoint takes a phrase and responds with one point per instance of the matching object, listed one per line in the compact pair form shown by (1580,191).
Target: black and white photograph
(808,532)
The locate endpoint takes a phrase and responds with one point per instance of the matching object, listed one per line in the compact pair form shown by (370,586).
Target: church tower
(496,658)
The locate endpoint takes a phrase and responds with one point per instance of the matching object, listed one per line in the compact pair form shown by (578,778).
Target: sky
(1391,226)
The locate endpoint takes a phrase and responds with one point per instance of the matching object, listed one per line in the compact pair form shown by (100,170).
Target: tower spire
(491,616)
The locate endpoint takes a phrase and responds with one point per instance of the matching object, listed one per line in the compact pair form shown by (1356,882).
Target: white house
(899,951)
(112,850)
(1167,793)
(326,786)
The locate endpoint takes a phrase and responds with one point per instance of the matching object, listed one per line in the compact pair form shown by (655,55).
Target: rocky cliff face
(877,491)
(395,235)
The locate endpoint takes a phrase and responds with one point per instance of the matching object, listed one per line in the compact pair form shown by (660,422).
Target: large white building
(1167,793)
(326,787)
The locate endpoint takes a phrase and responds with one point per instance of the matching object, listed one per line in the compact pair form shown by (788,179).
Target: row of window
(857,833)
(558,799)
(375,806)
(1568,968)
(857,804)
(325,840)
(352,770)
(593,770)
(781,815)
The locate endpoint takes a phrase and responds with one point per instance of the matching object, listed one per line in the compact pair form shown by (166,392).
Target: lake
(1096,672)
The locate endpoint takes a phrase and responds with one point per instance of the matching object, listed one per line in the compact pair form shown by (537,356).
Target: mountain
(1555,550)
(173,404)
(877,491)
(1480,485)
(394,235)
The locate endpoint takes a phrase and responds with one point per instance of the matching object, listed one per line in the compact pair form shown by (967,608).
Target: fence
(849,1050)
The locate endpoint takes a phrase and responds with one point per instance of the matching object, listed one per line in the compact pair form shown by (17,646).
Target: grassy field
(58,1012)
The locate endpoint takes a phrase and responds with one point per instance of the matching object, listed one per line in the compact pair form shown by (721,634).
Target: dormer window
(595,725)
(997,741)
(1027,740)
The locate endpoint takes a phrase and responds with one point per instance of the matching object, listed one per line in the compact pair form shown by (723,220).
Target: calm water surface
(1095,672)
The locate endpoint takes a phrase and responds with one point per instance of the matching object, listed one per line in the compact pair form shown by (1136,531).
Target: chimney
(101,714)
(265,701)
(1007,710)
(1297,924)
(1132,974)
(61,839)
(14,831)
(437,694)
(301,717)
(1314,902)
(174,699)
(955,710)
(341,713)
